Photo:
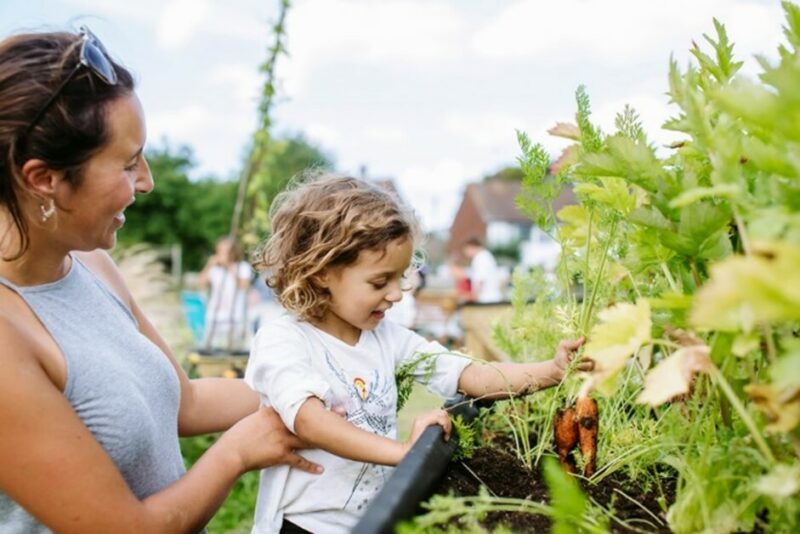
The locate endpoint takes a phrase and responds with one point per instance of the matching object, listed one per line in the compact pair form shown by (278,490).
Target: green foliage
(285,159)
(236,513)
(193,214)
(196,213)
(591,137)
(467,438)
(507,251)
(539,189)
(418,368)
(569,506)
(705,240)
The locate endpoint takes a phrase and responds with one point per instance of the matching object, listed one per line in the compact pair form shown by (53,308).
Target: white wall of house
(539,250)
(499,233)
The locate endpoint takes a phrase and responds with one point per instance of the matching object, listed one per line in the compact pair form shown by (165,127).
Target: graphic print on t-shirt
(369,405)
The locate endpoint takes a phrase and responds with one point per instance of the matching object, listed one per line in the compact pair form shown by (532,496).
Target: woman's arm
(207,404)
(54,468)
(321,428)
(503,380)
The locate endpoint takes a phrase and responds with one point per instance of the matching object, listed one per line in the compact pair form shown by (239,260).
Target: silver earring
(47,212)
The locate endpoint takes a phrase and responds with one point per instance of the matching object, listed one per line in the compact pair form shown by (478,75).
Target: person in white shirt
(229,280)
(484,274)
(337,257)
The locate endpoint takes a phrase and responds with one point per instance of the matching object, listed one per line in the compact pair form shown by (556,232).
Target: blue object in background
(194,309)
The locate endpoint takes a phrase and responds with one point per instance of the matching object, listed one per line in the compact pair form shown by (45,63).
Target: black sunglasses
(94,57)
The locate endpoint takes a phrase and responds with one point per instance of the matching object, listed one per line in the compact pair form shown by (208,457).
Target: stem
(596,285)
(695,274)
(771,351)
(663,343)
(586,267)
(742,411)
(737,217)
(670,280)
(258,151)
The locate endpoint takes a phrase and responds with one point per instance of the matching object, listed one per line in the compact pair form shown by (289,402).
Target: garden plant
(681,266)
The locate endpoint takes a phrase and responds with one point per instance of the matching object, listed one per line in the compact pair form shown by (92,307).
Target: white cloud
(652,111)
(139,11)
(360,32)
(243,81)
(618,32)
(484,130)
(179,123)
(385,134)
(179,21)
(325,135)
(217,137)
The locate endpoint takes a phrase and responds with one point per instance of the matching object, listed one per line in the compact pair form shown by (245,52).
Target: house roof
(496,200)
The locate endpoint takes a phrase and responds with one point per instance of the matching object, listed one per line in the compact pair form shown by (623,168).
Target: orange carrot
(586,409)
(566,437)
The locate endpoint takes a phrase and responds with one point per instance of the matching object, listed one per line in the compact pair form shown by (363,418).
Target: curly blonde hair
(321,222)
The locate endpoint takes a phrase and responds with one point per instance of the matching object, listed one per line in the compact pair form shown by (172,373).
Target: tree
(179,211)
(196,213)
(285,159)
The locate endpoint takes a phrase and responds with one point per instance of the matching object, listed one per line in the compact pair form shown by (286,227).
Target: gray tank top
(118,382)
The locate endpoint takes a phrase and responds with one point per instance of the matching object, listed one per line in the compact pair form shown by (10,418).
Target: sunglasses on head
(93,56)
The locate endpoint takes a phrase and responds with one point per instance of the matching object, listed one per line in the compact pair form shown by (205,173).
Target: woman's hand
(436,417)
(565,353)
(261,440)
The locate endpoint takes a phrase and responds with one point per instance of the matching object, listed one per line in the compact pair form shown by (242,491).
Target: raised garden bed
(502,474)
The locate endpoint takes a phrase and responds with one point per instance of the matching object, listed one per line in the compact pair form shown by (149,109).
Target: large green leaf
(745,291)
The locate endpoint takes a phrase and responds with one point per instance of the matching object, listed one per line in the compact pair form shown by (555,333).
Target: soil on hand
(505,476)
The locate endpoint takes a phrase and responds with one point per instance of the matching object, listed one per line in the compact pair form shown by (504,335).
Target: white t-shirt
(291,361)
(226,302)
(486,275)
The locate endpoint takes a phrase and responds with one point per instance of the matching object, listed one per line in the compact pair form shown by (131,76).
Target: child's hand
(435,417)
(564,355)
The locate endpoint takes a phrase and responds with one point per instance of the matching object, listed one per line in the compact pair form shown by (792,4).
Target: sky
(427,92)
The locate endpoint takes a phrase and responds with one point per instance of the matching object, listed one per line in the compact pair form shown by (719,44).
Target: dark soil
(505,476)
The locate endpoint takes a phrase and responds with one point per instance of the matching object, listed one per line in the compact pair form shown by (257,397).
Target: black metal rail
(415,477)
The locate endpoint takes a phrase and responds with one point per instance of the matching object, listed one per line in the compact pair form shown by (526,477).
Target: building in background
(489,211)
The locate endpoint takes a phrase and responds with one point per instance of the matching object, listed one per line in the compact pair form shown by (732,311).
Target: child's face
(362,292)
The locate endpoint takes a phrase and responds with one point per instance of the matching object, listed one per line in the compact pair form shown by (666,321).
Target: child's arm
(323,429)
(503,380)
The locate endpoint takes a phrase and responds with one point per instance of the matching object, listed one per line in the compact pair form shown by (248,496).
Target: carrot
(586,410)
(566,437)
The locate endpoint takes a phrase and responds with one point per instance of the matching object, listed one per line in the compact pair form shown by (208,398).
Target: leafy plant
(686,262)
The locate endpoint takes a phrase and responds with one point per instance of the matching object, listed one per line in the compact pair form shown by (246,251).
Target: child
(338,253)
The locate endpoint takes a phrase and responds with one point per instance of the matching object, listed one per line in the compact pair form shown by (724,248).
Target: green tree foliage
(285,159)
(180,211)
(195,213)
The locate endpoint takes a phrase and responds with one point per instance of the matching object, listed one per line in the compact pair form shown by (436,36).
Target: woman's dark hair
(72,129)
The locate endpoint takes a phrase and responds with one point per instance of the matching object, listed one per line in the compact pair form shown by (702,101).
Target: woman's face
(90,213)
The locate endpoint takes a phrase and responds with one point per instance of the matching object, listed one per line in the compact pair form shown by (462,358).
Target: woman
(91,399)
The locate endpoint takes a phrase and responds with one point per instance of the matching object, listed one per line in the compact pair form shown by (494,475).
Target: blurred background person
(485,276)
(227,279)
